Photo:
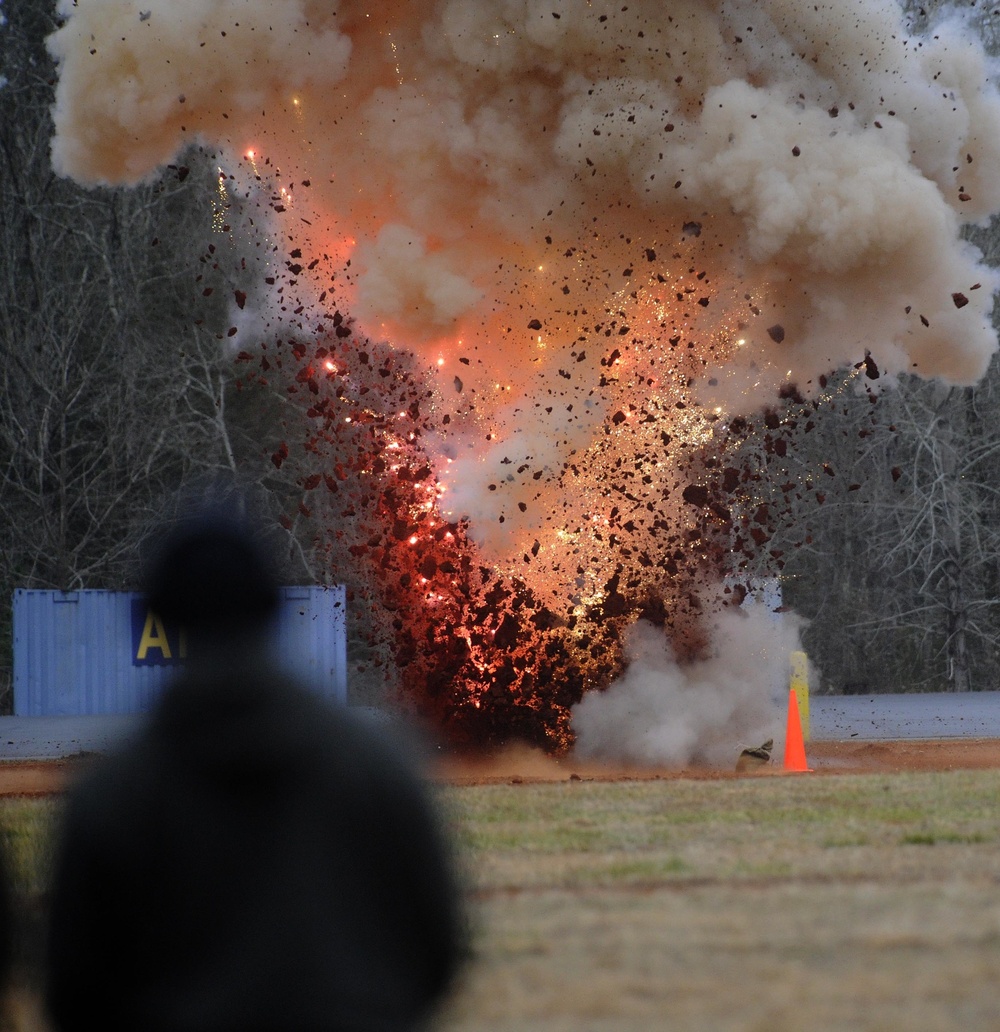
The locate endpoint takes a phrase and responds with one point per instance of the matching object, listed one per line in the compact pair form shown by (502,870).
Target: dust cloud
(664,713)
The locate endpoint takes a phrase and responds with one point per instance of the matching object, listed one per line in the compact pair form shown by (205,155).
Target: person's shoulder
(376,745)
(113,782)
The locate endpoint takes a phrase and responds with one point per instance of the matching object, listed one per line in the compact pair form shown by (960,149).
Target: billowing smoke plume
(604,227)
(504,165)
(672,714)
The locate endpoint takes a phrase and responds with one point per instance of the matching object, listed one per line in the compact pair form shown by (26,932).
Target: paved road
(52,738)
(923,715)
(831,718)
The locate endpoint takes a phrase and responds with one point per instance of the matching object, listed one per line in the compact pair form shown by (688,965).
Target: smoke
(664,713)
(139,82)
(506,170)
(603,228)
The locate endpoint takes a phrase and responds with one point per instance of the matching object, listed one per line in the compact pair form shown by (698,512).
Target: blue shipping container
(91,652)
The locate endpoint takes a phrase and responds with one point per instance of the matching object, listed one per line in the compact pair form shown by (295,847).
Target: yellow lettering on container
(154,636)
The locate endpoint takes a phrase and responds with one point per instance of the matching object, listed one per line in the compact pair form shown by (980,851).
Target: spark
(221,204)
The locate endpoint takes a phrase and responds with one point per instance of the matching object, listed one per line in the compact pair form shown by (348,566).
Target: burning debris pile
(606,232)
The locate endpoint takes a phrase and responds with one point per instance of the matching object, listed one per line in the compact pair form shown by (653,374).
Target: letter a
(154,636)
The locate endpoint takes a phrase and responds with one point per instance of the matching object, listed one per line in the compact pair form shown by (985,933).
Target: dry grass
(853,902)
(27,828)
(856,902)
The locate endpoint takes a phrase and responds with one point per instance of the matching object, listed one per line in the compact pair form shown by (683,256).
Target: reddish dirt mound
(528,766)
(35,777)
(936,754)
(521,765)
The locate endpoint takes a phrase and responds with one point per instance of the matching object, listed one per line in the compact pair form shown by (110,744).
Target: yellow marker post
(799,683)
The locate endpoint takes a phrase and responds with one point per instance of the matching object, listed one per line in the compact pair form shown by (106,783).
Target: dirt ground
(32,778)
(36,777)
(526,766)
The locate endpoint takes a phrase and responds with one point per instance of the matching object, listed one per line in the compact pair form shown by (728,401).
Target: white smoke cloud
(497,166)
(470,122)
(661,713)
(139,82)
(404,280)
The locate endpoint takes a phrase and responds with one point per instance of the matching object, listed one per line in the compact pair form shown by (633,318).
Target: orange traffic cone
(795,750)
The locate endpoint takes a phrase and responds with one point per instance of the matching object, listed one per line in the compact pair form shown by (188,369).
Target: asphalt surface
(53,738)
(913,716)
(831,718)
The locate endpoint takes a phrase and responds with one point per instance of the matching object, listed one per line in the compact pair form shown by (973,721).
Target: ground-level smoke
(662,712)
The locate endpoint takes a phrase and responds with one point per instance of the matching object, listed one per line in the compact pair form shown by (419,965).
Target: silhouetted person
(6,925)
(256,859)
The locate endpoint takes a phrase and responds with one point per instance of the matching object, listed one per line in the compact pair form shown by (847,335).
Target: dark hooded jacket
(256,859)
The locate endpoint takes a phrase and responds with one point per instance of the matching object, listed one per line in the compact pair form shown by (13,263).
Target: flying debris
(754,759)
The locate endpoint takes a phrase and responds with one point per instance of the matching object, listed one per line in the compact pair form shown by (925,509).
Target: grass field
(866,902)
(781,903)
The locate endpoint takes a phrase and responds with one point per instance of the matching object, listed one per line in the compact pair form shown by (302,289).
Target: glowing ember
(605,231)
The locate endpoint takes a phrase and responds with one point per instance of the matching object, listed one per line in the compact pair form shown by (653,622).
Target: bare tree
(883,509)
(113,383)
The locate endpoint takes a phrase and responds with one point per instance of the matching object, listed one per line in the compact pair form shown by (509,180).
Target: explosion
(605,232)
